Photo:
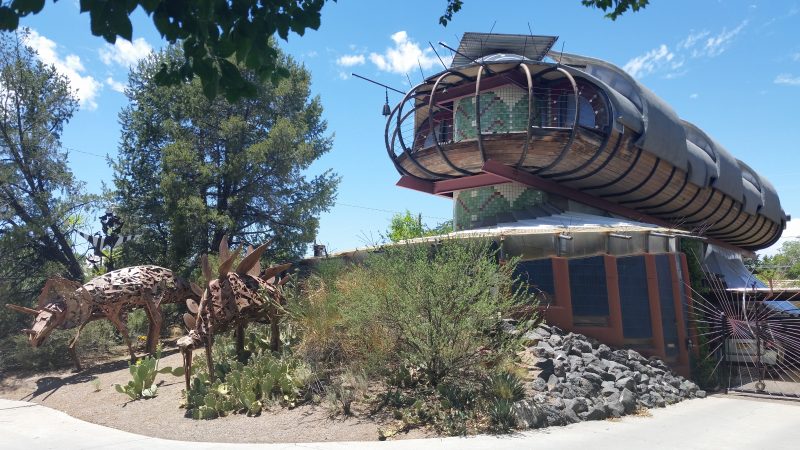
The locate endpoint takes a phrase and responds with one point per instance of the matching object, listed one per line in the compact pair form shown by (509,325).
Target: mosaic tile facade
(489,205)
(503,110)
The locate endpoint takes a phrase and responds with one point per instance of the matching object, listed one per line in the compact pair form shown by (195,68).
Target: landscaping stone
(581,379)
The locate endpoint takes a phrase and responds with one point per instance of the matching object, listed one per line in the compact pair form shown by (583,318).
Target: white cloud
(716,45)
(85,86)
(692,39)
(405,56)
(343,75)
(115,85)
(694,95)
(787,79)
(350,60)
(124,52)
(654,59)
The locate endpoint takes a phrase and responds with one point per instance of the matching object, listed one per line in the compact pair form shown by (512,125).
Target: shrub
(445,306)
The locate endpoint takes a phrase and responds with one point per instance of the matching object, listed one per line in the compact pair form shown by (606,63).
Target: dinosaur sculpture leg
(187,367)
(114,317)
(74,353)
(209,359)
(239,334)
(156,319)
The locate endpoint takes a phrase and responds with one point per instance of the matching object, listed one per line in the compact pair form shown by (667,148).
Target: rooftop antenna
(419,64)
(562,52)
(379,84)
(465,56)
(488,36)
(530,32)
(437,55)
(410,84)
(387,110)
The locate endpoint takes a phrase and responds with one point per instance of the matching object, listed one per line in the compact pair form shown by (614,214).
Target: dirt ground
(76,394)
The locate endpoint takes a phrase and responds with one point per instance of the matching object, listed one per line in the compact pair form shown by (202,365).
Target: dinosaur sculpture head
(61,304)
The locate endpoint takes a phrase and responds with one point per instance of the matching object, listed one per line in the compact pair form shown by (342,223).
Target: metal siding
(668,319)
(538,273)
(587,283)
(632,276)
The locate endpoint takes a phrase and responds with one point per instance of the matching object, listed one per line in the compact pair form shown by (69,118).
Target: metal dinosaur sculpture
(67,304)
(231,299)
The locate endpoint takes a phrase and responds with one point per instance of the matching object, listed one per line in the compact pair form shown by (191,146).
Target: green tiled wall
(503,110)
(489,205)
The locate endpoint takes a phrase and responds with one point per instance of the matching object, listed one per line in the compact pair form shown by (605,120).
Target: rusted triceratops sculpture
(67,304)
(230,300)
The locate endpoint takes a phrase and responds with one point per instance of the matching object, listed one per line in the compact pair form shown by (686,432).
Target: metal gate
(752,339)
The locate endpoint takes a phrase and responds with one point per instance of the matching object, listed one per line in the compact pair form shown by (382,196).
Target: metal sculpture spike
(230,301)
(67,304)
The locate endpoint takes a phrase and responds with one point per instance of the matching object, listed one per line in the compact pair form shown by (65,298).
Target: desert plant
(446,305)
(144,375)
(247,388)
(505,386)
(501,414)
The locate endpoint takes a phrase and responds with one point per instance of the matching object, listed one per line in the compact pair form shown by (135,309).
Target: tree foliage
(41,203)
(617,7)
(783,265)
(406,226)
(191,170)
(216,35)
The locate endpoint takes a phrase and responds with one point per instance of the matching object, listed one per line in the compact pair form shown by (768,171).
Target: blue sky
(731,67)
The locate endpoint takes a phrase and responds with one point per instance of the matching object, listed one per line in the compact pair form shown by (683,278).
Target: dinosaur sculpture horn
(22,309)
(251,260)
(207,273)
(226,265)
(196,289)
(189,321)
(274,270)
(224,252)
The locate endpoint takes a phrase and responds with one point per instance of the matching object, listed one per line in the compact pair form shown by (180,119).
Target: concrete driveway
(719,422)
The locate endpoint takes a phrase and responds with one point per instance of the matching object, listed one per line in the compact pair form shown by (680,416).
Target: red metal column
(616,336)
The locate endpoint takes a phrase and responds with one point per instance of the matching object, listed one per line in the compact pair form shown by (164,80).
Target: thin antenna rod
(379,84)
(465,56)
(419,64)
(530,32)
(410,84)
(437,55)
(488,35)
(562,51)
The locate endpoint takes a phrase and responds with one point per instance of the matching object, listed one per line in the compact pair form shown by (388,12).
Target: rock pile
(581,379)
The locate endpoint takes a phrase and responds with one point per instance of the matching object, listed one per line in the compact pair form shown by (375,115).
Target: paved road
(722,422)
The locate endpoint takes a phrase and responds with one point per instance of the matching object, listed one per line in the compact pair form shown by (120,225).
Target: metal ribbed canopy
(477,45)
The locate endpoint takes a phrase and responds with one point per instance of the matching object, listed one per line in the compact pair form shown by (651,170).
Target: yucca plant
(505,386)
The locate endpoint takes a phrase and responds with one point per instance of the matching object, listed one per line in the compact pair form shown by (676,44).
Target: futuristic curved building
(578,128)
(590,179)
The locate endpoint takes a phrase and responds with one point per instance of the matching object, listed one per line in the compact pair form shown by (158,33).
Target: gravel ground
(76,394)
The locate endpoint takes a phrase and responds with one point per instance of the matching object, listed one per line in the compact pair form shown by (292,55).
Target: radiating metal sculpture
(67,304)
(231,299)
(752,338)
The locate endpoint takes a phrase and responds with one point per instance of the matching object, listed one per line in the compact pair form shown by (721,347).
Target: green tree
(191,170)
(406,226)
(40,200)
(785,264)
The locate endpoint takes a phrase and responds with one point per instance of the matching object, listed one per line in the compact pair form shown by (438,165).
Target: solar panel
(477,45)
